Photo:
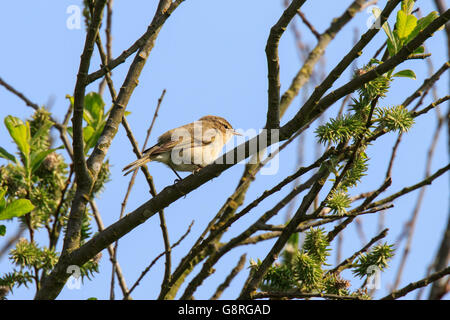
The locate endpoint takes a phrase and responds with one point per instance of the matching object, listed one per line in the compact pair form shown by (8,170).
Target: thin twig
(151,32)
(27,101)
(410,224)
(297,294)
(273,63)
(230,277)
(415,285)
(409,189)
(117,268)
(54,233)
(348,262)
(308,24)
(108,34)
(156,259)
(155,115)
(427,84)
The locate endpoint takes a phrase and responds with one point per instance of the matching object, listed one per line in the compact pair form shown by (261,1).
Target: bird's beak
(236,133)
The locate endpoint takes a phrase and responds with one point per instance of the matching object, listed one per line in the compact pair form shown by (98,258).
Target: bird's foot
(197,170)
(175,183)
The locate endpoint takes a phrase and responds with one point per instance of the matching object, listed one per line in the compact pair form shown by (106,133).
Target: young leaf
(71,99)
(93,109)
(419,50)
(392,40)
(20,133)
(16,208)
(2,199)
(406,74)
(70,131)
(422,24)
(88,135)
(405,24)
(6,155)
(2,230)
(407,6)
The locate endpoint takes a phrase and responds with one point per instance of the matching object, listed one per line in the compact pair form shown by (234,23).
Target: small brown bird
(189,147)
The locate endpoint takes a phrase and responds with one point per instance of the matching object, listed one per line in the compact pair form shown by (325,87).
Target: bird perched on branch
(189,147)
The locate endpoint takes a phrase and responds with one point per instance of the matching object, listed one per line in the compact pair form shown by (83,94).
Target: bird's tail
(136,164)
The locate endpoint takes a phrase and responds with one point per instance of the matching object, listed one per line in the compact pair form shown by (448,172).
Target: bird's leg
(179,178)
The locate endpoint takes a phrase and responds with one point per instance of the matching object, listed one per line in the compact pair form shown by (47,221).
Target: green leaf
(6,155)
(422,24)
(70,131)
(20,133)
(88,135)
(87,116)
(419,50)
(93,109)
(407,6)
(2,230)
(405,24)
(16,208)
(391,41)
(2,199)
(71,99)
(406,74)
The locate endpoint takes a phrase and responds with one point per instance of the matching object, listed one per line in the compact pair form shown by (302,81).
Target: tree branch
(273,63)
(415,285)
(83,177)
(152,32)
(297,294)
(230,278)
(347,262)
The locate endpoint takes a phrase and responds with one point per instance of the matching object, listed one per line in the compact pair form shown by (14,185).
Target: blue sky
(210,58)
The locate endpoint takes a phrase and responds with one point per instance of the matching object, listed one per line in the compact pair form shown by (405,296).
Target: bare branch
(230,277)
(309,24)
(111,251)
(156,259)
(427,84)
(273,63)
(83,177)
(338,23)
(406,190)
(297,294)
(20,95)
(415,285)
(348,262)
(152,32)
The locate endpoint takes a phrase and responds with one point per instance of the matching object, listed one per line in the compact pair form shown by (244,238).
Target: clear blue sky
(210,58)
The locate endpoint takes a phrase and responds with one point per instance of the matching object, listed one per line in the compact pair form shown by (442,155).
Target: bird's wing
(184,137)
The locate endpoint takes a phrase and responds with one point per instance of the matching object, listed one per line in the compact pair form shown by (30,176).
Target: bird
(190,147)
